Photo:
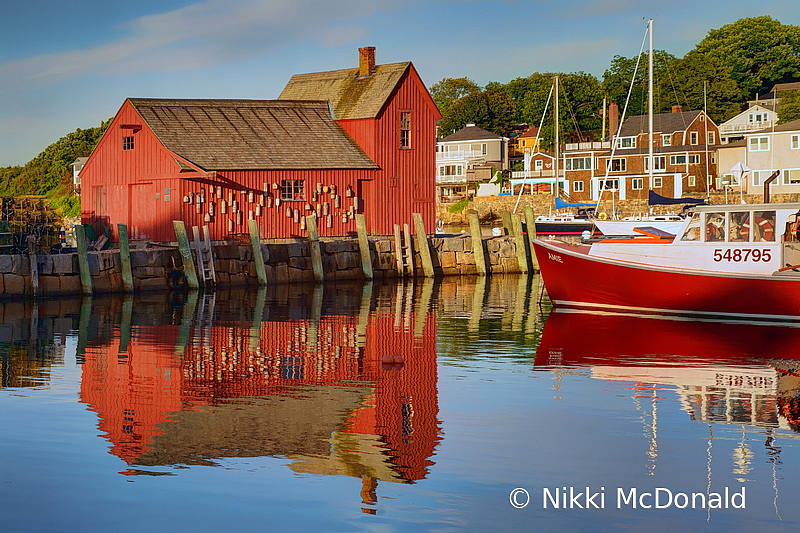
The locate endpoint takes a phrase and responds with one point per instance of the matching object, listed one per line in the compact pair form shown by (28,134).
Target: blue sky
(69,65)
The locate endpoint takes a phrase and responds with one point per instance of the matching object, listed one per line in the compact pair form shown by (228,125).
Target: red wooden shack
(337,143)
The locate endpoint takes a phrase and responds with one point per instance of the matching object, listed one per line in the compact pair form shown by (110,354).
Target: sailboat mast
(650,105)
(556,137)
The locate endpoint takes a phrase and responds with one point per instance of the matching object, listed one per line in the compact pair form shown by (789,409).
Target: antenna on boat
(705,121)
(650,105)
(535,147)
(619,126)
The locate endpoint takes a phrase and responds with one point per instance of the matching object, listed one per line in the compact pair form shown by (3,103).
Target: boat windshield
(692,232)
(739,226)
(715,227)
(764,226)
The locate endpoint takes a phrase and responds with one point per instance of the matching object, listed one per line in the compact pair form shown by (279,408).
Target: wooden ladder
(404,250)
(205,257)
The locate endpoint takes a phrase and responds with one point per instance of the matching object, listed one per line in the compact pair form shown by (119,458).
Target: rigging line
(622,120)
(535,147)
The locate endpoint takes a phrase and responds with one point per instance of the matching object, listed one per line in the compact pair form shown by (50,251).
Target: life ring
(602,216)
(767,229)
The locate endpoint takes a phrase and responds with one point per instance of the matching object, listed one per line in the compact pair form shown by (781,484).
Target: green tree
(789,109)
(617,82)
(50,172)
(719,94)
(492,111)
(755,52)
(448,90)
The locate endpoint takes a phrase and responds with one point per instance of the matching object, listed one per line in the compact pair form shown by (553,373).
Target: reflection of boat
(574,337)
(734,372)
(729,260)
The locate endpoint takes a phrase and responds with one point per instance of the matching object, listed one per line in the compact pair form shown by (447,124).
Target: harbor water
(457,405)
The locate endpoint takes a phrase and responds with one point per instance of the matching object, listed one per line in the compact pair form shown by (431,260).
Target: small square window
(293,190)
(127,143)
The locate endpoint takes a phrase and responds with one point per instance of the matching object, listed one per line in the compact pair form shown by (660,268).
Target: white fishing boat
(727,260)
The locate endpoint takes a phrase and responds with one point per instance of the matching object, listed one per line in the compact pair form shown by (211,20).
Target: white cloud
(203,34)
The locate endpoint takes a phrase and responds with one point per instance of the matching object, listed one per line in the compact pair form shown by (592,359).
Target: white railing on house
(604,145)
(745,128)
(459,154)
(521,174)
(451,179)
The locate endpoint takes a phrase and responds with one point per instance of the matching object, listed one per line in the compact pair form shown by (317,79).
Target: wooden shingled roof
(351,96)
(662,123)
(252,134)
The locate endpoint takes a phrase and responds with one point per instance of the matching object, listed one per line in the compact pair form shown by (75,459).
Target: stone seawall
(283,262)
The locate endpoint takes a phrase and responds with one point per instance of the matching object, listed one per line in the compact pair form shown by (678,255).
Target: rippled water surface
(387,407)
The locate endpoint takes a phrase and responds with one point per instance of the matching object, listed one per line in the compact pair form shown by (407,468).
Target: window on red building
(405,129)
(293,190)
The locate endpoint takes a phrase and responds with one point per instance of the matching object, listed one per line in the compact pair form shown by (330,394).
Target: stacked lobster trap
(21,216)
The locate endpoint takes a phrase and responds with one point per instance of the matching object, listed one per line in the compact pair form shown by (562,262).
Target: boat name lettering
(555,257)
(737,255)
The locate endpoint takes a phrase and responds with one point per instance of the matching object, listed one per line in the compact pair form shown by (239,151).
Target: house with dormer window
(684,159)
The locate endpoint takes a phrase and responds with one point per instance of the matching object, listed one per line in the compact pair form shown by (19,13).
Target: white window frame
(712,137)
(694,159)
(626,142)
(787,176)
(691,181)
(622,164)
(758,144)
(577,186)
(586,163)
(662,159)
(760,176)
(673,159)
(666,140)
(694,138)
(608,184)
(658,182)
(538,165)
(637,184)
(794,142)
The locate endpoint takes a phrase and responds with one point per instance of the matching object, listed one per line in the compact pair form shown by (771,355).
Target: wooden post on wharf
(477,243)
(523,256)
(313,245)
(424,246)
(186,255)
(83,260)
(530,222)
(125,257)
(258,257)
(508,226)
(34,265)
(363,246)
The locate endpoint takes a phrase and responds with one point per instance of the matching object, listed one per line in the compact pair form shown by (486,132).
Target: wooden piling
(258,257)
(530,222)
(34,265)
(313,245)
(363,246)
(409,250)
(424,247)
(186,255)
(477,243)
(508,226)
(125,257)
(83,260)
(523,256)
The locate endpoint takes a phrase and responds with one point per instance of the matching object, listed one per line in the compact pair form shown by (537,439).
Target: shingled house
(222,162)
(684,158)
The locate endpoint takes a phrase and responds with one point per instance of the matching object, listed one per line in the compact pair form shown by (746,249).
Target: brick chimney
(613,120)
(677,109)
(366,60)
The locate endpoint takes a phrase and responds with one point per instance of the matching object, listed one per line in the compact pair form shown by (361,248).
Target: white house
(757,117)
(77,166)
(764,152)
(468,156)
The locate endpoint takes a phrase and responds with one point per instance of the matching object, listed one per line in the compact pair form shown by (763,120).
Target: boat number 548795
(737,255)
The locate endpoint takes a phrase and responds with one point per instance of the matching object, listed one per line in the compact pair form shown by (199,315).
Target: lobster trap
(21,216)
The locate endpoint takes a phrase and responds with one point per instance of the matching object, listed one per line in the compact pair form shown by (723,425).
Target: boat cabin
(757,239)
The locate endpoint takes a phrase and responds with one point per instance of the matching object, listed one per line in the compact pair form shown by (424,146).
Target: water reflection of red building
(306,383)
